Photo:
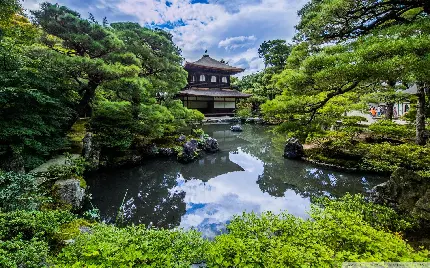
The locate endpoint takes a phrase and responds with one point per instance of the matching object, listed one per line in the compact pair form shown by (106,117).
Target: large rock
(211,145)
(91,151)
(189,152)
(70,192)
(236,128)
(293,149)
(406,192)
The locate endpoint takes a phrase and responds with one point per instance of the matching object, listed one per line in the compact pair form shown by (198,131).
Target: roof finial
(206,53)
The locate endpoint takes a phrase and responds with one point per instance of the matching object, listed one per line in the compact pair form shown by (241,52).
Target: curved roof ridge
(208,62)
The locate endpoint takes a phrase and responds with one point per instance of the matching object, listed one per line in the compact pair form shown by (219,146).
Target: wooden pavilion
(209,89)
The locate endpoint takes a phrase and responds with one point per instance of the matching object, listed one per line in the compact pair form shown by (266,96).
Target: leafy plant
(28,239)
(23,253)
(389,129)
(337,233)
(19,191)
(134,246)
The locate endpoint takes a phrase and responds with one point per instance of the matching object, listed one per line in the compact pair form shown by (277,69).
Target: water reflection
(249,174)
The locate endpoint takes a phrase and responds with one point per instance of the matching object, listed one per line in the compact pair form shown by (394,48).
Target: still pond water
(248,174)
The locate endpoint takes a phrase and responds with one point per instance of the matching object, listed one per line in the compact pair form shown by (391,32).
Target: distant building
(209,89)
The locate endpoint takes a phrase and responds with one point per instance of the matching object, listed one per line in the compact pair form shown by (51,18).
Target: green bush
(386,157)
(134,246)
(333,235)
(244,112)
(27,239)
(19,192)
(42,225)
(378,216)
(344,149)
(23,253)
(389,129)
(198,132)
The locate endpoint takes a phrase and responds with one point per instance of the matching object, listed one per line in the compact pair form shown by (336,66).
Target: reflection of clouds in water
(129,208)
(315,173)
(211,204)
(332,179)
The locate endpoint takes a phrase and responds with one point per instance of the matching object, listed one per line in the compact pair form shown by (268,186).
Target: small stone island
(209,89)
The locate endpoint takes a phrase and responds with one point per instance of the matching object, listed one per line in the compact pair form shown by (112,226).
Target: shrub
(21,253)
(386,157)
(343,149)
(19,192)
(378,216)
(335,234)
(198,132)
(27,239)
(244,112)
(389,129)
(35,224)
(134,246)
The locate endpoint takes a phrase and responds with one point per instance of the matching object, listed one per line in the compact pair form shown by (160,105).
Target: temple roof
(209,63)
(214,92)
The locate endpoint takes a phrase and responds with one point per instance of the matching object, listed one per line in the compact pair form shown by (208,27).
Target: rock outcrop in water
(166,152)
(70,192)
(190,152)
(211,145)
(236,128)
(406,192)
(293,149)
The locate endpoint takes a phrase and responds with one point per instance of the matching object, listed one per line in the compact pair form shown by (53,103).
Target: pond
(248,174)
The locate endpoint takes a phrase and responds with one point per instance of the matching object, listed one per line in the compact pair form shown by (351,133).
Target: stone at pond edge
(236,128)
(70,192)
(189,152)
(211,145)
(166,152)
(406,192)
(91,151)
(182,138)
(293,149)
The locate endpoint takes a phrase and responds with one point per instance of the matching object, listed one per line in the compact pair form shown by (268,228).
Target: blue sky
(228,29)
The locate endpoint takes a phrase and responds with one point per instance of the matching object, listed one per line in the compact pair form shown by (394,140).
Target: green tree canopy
(328,20)
(274,53)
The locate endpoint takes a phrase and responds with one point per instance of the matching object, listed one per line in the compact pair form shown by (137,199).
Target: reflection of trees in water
(305,179)
(311,182)
(149,198)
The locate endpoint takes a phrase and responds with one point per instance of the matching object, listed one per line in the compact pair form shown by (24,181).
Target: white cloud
(234,36)
(228,29)
(237,42)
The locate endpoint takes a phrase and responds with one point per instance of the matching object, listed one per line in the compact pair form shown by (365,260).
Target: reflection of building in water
(210,166)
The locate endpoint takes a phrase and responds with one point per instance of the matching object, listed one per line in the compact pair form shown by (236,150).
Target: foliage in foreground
(335,234)
(109,246)
(348,229)
(27,239)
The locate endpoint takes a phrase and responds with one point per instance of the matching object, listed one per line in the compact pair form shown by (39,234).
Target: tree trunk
(390,111)
(421,118)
